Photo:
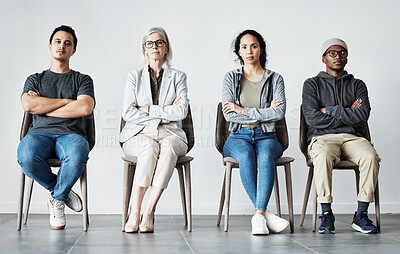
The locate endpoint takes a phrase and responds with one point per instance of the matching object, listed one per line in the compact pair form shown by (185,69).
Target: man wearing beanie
(336,106)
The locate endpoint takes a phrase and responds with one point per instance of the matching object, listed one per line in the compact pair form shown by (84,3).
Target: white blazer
(138,93)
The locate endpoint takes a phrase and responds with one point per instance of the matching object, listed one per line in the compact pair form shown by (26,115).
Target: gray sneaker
(57,215)
(74,201)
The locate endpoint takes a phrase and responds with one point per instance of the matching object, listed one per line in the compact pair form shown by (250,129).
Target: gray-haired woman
(155,103)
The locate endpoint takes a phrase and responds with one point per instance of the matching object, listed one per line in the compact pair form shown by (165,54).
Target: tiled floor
(105,236)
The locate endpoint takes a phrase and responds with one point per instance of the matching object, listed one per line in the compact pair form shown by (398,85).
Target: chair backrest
(222,131)
(187,127)
(90,128)
(304,130)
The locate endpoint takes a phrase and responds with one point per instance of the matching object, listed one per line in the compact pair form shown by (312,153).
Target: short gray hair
(168,55)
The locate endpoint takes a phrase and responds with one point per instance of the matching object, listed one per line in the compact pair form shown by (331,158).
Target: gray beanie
(331,42)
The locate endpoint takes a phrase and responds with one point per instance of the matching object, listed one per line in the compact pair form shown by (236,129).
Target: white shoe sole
(326,232)
(259,232)
(359,229)
(80,204)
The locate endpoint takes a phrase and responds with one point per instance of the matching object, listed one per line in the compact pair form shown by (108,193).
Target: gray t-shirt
(59,86)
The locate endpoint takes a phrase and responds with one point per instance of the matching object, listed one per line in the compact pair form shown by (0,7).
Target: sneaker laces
(58,209)
(326,219)
(363,220)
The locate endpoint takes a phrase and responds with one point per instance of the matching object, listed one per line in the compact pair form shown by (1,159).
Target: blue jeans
(255,150)
(72,150)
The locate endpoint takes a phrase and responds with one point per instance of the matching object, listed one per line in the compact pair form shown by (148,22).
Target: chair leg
(28,196)
(357,173)
(129,171)
(182,189)
(228,175)
(21,201)
(315,210)
(188,185)
(377,208)
(85,212)
(289,192)
(221,202)
(277,199)
(306,194)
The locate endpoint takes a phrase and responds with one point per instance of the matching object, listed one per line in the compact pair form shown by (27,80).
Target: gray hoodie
(337,95)
(265,115)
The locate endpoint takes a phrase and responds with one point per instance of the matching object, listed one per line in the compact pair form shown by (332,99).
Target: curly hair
(260,39)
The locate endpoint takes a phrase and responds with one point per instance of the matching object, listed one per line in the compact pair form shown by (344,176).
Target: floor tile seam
(183,236)
(80,236)
(302,245)
(9,219)
(394,239)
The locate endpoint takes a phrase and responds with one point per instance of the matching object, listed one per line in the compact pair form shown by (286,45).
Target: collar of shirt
(155,83)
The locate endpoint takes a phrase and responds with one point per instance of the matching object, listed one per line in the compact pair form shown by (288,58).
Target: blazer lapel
(165,85)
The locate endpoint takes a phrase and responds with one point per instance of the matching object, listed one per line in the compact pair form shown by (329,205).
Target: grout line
(300,244)
(180,232)
(79,236)
(394,239)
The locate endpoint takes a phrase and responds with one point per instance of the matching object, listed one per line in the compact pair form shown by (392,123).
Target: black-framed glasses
(149,44)
(334,53)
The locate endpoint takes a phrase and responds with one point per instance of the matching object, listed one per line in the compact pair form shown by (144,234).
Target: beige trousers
(157,151)
(326,151)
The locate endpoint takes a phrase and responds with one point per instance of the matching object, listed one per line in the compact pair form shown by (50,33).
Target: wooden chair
(54,162)
(221,135)
(184,180)
(342,165)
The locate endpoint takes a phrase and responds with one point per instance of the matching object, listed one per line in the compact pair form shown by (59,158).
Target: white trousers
(157,151)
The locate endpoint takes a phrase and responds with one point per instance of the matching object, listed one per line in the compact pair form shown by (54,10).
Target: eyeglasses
(149,44)
(334,53)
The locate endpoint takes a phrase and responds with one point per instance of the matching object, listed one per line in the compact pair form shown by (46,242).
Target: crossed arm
(146,109)
(319,116)
(232,107)
(33,103)
(356,104)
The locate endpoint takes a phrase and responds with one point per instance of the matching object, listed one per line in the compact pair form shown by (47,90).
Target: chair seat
(231,160)
(278,162)
(54,162)
(343,164)
(181,160)
(283,160)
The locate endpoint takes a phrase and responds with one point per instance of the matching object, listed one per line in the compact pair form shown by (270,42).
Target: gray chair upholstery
(182,165)
(53,162)
(221,135)
(342,165)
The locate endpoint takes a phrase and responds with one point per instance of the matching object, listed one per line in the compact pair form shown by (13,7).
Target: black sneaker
(327,223)
(362,224)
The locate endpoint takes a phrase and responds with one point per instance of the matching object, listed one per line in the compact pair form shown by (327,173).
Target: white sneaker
(74,201)
(259,225)
(274,223)
(57,215)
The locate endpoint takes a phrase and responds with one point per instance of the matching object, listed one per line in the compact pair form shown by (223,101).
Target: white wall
(109,34)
